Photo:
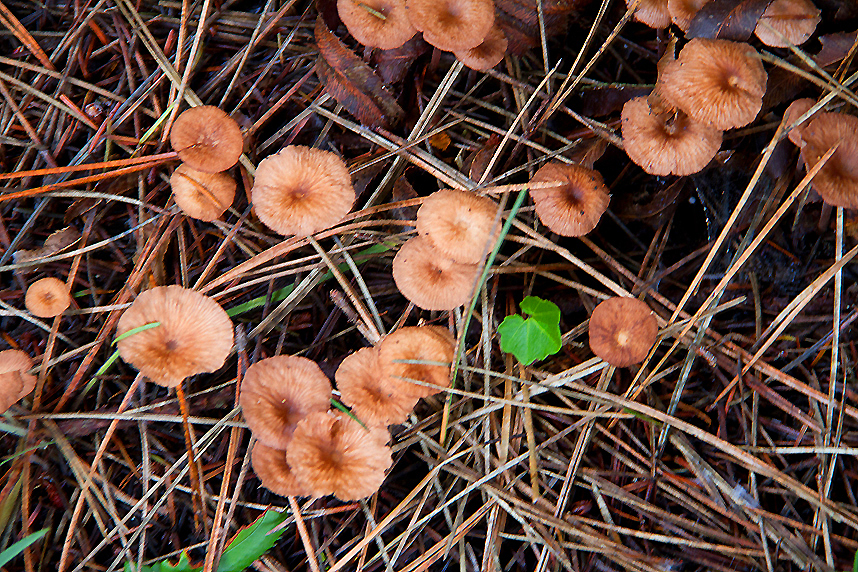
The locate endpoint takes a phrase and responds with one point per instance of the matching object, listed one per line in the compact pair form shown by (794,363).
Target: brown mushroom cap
(795,20)
(682,12)
(622,331)
(653,13)
(452,25)
(574,207)
(795,110)
(331,453)
(207,139)
(431,280)
(194,335)
(47,297)
(378,23)
(432,344)
(460,224)
(374,399)
(717,82)
(487,54)
(837,180)
(200,195)
(273,470)
(666,142)
(279,391)
(15,382)
(301,190)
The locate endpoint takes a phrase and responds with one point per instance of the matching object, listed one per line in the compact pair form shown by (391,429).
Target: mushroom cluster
(209,142)
(465,27)
(437,269)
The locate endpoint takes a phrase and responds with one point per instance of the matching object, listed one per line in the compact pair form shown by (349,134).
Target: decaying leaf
(519,20)
(602,101)
(835,47)
(392,65)
(54,244)
(727,19)
(477,162)
(353,83)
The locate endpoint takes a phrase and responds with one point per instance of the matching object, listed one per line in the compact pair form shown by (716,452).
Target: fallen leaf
(477,162)
(392,65)
(835,47)
(727,19)
(519,20)
(54,244)
(603,101)
(353,83)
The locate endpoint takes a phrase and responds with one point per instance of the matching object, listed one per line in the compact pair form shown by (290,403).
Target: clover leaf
(536,337)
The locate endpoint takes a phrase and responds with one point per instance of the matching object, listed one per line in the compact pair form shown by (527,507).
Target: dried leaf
(403,191)
(603,101)
(835,47)
(392,65)
(477,162)
(353,83)
(519,20)
(54,244)
(727,19)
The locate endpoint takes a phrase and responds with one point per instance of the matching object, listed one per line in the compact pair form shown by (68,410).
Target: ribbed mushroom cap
(47,297)
(207,139)
(665,142)
(682,12)
(717,82)
(378,23)
(574,207)
(460,224)
(795,110)
(431,344)
(279,391)
(273,470)
(487,54)
(653,13)
(200,195)
(837,181)
(301,190)
(331,453)
(452,24)
(431,280)
(374,399)
(622,331)
(194,335)
(796,20)
(15,382)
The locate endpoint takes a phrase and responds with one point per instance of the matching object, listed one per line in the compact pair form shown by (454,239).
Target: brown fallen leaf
(477,162)
(392,65)
(727,19)
(519,20)
(54,244)
(835,47)
(353,83)
(602,101)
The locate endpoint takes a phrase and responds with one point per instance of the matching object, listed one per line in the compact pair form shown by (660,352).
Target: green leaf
(534,338)
(251,542)
(19,547)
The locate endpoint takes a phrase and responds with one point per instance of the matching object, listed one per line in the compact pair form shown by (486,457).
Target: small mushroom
(431,280)
(682,12)
(430,344)
(273,470)
(574,206)
(837,180)
(194,335)
(47,297)
(301,191)
(200,195)
(622,331)
(460,224)
(374,399)
(487,54)
(331,453)
(791,20)
(207,139)
(452,25)
(15,382)
(653,13)
(795,110)
(279,391)
(717,82)
(378,23)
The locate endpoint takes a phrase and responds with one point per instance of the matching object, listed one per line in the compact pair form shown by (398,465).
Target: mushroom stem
(196,484)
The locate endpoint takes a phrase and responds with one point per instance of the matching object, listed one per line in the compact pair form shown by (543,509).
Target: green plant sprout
(245,548)
(534,338)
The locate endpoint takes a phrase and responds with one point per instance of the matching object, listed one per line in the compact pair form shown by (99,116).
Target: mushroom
(374,399)
(653,13)
(301,190)
(837,180)
(666,141)
(378,23)
(194,335)
(460,224)
(15,382)
(682,12)
(331,453)
(622,331)
(575,205)
(795,110)
(201,195)
(431,280)
(487,54)
(717,82)
(431,344)
(207,139)
(273,470)
(790,20)
(452,25)
(47,297)
(279,391)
